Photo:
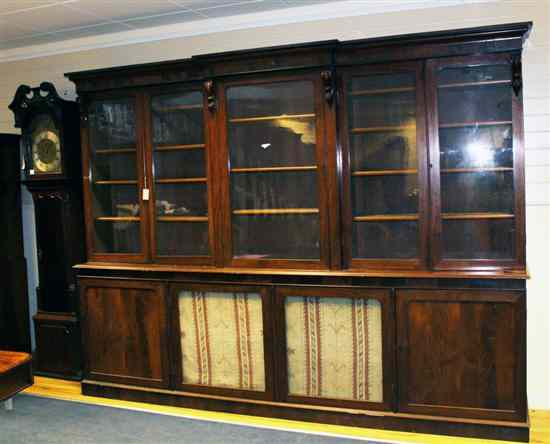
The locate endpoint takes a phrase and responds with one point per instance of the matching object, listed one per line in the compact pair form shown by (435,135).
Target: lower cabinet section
(462,353)
(428,360)
(124,328)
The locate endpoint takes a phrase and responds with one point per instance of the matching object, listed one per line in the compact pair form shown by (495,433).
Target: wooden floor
(70,391)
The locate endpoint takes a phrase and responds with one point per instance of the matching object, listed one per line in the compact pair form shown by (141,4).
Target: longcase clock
(51,171)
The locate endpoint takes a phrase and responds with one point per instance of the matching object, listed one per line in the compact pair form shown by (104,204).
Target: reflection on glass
(114,185)
(383,166)
(181,190)
(476,162)
(476,147)
(273,166)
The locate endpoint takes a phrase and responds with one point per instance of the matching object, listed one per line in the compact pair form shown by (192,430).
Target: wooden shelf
(480,83)
(368,92)
(376,129)
(115,182)
(476,170)
(460,216)
(385,217)
(169,109)
(118,219)
(182,218)
(266,118)
(482,123)
(276,211)
(183,180)
(115,151)
(191,146)
(384,172)
(273,169)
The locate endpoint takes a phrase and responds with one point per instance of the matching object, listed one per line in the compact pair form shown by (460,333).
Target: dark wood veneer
(453,330)
(125,331)
(462,353)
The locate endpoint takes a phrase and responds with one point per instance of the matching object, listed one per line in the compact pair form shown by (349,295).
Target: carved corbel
(210,90)
(328,85)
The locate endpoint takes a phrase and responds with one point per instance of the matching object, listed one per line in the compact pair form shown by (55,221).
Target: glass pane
(476,147)
(116,237)
(178,119)
(392,194)
(113,124)
(181,190)
(114,176)
(268,99)
(180,163)
(274,190)
(475,104)
(113,166)
(383,165)
(479,239)
(382,110)
(172,236)
(468,74)
(385,240)
(272,148)
(174,200)
(222,342)
(476,162)
(334,348)
(388,150)
(477,192)
(279,142)
(280,236)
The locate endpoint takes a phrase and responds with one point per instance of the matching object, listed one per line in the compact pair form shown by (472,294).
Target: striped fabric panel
(334,348)
(222,339)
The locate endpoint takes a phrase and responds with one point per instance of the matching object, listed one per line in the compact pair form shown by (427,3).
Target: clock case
(59,230)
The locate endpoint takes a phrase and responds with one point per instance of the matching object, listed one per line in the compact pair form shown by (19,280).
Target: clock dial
(45,147)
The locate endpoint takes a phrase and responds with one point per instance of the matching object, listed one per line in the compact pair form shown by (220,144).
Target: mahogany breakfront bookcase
(330,232)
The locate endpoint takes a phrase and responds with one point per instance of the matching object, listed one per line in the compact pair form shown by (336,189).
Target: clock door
(114,181)
(44,147)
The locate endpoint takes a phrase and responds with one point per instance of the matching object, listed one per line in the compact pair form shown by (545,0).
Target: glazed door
(115,187)
(477,179)
(335,347)
(384,166)
(462,353)
(182,229)
(274,168)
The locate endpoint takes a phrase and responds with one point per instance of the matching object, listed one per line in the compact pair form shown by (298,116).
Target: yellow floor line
(70,391)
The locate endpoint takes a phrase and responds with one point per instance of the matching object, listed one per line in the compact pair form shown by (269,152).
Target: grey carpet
(40,420)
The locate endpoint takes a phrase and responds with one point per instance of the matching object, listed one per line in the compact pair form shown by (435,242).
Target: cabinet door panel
(276,207)
(476,153)
(182,226)
(336,346)
(385,194)
(223,345)
(462,353)
(113,169)
(124,328)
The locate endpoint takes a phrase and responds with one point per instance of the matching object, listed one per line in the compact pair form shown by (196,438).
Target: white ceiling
(33,22)
(34,28)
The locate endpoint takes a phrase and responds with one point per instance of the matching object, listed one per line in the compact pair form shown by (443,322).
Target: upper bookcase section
(401,153)
(487,39)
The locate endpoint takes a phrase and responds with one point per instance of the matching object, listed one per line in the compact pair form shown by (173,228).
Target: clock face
(45,147)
